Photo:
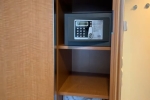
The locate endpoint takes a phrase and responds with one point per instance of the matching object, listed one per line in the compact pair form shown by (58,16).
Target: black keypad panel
(81,32)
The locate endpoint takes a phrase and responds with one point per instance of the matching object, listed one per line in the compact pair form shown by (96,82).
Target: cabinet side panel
(26,49)
(64,64)
(64,57)
(60,22)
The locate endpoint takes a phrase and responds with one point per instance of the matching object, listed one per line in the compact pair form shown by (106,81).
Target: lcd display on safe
(81,23)
(88,29)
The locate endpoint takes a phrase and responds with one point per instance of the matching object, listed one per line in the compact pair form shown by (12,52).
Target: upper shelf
(83,47)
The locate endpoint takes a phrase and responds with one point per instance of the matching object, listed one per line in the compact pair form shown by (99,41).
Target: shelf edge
(84,48)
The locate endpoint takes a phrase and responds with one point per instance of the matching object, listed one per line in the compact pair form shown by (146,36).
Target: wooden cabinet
(87,71)
(33,68)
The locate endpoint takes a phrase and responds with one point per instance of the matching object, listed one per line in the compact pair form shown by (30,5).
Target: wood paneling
(59,22)
(91,61)
(26,50)
(63,66)
(120,58)
(64,58)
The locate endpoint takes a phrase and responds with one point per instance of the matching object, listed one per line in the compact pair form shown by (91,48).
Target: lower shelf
(86,86)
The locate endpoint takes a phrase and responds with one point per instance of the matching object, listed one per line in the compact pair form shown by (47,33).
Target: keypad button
(77,28)
(80,28)
(84,28)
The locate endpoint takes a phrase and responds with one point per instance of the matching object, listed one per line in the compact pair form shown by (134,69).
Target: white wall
(136,52)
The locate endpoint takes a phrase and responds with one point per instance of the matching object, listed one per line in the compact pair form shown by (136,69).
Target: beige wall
(136,52)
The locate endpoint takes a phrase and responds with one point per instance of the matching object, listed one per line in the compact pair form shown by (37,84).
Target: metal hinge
(125,25)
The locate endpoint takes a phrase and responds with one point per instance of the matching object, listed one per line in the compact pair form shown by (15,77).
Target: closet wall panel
(26,50)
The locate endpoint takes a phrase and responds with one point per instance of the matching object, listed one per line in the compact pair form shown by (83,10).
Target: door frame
(116,51)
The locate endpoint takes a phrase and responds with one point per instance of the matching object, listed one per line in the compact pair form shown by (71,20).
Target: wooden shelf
(86,86)
(83,47)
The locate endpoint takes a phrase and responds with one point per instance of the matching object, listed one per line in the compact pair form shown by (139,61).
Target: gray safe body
(92,29)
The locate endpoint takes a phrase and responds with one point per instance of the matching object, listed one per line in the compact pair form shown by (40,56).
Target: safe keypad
(81,32)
